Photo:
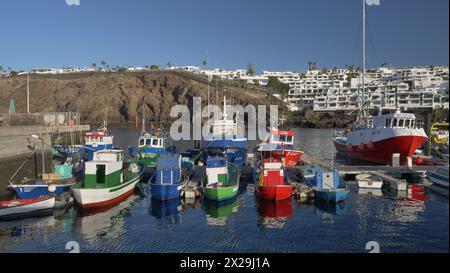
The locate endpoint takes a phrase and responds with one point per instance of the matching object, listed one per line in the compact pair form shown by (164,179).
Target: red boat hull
(275,193)
(381,151)
(291,157)
(270,209)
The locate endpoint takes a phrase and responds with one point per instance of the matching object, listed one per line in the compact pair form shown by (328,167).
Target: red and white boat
(280,146)
(381,136)
(269,175)
(26,207)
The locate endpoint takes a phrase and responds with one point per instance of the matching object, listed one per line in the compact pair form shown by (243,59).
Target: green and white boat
(108,180)
(221,181)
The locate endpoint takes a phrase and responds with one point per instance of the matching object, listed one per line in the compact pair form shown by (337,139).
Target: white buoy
(51,188)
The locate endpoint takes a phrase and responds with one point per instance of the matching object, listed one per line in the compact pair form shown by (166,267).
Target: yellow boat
(439,132)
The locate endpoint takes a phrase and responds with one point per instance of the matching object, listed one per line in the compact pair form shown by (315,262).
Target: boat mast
(143,118)
(363,57)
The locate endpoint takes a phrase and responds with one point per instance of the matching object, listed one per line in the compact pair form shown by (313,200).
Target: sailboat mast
(363,53)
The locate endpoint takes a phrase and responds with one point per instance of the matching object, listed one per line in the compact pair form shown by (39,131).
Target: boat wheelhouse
(170,176)
(108,180)
(221,181)
(281,147)
(382,136)
(151,146)
(97,141)
(270,179)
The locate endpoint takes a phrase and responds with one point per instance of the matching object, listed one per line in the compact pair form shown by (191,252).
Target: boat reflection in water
(167,212)
(370,192)
(324,208)
(217,213)
(274,214)
(409,205)
(104,221)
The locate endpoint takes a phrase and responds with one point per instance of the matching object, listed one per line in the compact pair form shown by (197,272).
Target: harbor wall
(16,140)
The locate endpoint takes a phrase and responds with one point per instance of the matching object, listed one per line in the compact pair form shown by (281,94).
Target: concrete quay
(16,140)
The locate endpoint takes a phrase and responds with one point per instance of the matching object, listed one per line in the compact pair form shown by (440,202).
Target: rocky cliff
(120,96)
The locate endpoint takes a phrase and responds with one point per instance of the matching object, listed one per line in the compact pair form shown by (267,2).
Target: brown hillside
(122,95)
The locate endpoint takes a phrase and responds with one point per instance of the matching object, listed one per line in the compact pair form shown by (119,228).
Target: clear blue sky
(272,34)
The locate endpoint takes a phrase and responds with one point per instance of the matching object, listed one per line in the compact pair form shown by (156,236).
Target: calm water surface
(399,223)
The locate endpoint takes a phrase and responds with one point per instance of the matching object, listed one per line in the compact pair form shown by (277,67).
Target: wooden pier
(393,175)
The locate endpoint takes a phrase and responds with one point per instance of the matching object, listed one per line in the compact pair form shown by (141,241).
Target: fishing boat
(381,136)
(376,139)
(169,178)
(108,180)
(281,147)
(328,186)
(151,146)
(226,139)
(61,180)
(269,175)
(97,141)
(439,176)
(26,207)
(369,181)
(271,182)
(221,181)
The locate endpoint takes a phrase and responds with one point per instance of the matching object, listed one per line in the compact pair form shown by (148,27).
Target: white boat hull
(24,210)
(95,198)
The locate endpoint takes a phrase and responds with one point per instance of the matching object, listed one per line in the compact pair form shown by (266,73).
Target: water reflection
(273,214)
(217,213)
(105,222)
(370,192)
(326,209)
(167,212)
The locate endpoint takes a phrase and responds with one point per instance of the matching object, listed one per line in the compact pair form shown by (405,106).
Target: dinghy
(26,207)
(368,181)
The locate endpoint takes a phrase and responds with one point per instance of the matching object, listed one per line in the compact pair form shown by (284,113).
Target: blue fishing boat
(54,183)
(328,186)
(97,141)
(169,178)
(226,139)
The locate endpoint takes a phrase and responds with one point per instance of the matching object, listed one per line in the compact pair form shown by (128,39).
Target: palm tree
(104,64)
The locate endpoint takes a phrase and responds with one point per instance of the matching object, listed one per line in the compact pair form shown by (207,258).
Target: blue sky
(272,34)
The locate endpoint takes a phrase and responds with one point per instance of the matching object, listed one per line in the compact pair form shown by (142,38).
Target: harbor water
(397,222)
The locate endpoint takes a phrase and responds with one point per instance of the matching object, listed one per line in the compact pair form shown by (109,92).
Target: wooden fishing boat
(328,186)
(108,180)
(58,182)
(170,176)
(221,181)
(369,181)
(271,182)
(26,207)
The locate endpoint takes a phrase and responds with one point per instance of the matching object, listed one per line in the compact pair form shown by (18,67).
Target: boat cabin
(95,139)
(396,120)
(156,141)
(328,180)
(168,170)
(105,170)
(216,171)
(282,137)
(273,173)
